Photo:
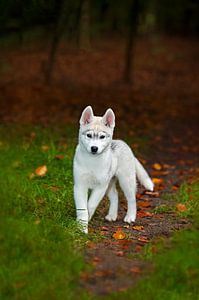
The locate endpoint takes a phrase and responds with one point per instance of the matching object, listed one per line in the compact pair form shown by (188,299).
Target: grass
(41,246)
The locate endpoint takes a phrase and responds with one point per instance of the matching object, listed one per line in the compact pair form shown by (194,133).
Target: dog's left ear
(109,118)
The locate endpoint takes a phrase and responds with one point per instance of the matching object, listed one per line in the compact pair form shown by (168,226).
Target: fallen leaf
(119,235)
(142,214)
(96,259)
(167,166)
(91,245)
(102,273)
(157,180)
(120,253)
(158,216)
(154,194)
(37,221)
(45,148)
(157,166)
(125,244)
(175,187)
(181,207)
(135,270)
(144,204)
(143,239)
(41,171)
(138,227)
(104,228)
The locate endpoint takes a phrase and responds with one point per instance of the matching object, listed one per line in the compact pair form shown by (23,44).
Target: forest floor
(157,114)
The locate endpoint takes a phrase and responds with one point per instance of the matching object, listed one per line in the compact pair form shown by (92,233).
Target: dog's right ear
(87,116)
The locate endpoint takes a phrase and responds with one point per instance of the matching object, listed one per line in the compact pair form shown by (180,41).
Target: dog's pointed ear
(87,116)
(109,118)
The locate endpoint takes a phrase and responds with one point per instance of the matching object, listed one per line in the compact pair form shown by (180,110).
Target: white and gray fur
(98,163)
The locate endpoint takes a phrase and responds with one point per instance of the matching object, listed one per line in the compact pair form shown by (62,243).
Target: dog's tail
(142,176)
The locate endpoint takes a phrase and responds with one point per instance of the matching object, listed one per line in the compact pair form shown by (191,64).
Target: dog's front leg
(81,197)
(95,198)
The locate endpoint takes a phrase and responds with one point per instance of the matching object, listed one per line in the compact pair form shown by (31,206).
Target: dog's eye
(102,137)
(89,135)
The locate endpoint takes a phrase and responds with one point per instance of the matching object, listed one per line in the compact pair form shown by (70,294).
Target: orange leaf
(144,204)
(41,171)
(138,228)
(142,214)
(175,187)
(135,270)
(157,167)
(91,245)
(143,239)
(181,207)
(157,180)
(119,235)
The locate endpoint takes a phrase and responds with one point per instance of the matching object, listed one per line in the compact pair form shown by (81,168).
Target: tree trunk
(84,26)
(59,29)
(132,31)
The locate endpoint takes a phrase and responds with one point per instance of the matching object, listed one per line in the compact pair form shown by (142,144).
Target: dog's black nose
(94,149)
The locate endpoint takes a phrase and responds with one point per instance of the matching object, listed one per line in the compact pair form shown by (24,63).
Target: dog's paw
(129,218)
(83,225)
(111,217)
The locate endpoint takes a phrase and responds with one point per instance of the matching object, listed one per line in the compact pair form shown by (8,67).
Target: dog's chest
(95,175)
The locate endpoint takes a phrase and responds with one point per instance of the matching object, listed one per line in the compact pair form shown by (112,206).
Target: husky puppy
(99,162)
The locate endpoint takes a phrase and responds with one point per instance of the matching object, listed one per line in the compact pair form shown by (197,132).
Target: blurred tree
(65,13)
(132,31)
(84,26)
(177,16)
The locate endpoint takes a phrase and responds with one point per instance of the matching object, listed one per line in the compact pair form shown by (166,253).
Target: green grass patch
(40,243)
(189,196)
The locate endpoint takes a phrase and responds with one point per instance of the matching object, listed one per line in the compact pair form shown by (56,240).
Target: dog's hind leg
(113,197)
(128,185)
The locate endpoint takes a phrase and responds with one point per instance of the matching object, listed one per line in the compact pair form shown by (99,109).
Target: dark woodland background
(59,56)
